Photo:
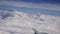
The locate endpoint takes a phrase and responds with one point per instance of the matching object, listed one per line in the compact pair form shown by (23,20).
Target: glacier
(18,22)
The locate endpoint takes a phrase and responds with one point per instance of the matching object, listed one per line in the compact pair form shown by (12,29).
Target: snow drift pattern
(17,22)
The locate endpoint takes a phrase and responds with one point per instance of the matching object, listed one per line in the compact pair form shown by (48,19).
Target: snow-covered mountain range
(18,22)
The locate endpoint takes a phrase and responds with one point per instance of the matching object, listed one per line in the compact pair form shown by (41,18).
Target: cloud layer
(18,22)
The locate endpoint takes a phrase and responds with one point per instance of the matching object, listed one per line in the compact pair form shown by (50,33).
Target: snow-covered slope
(18,22)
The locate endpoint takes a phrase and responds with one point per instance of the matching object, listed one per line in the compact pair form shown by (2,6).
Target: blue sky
(42,1)
(38,1)
(42,11)
(50,7)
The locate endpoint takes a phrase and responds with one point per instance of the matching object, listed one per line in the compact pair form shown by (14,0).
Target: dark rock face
(40,33)
(37,32)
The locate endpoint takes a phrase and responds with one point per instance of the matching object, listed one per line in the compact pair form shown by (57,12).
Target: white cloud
(31,5)
(21,22)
